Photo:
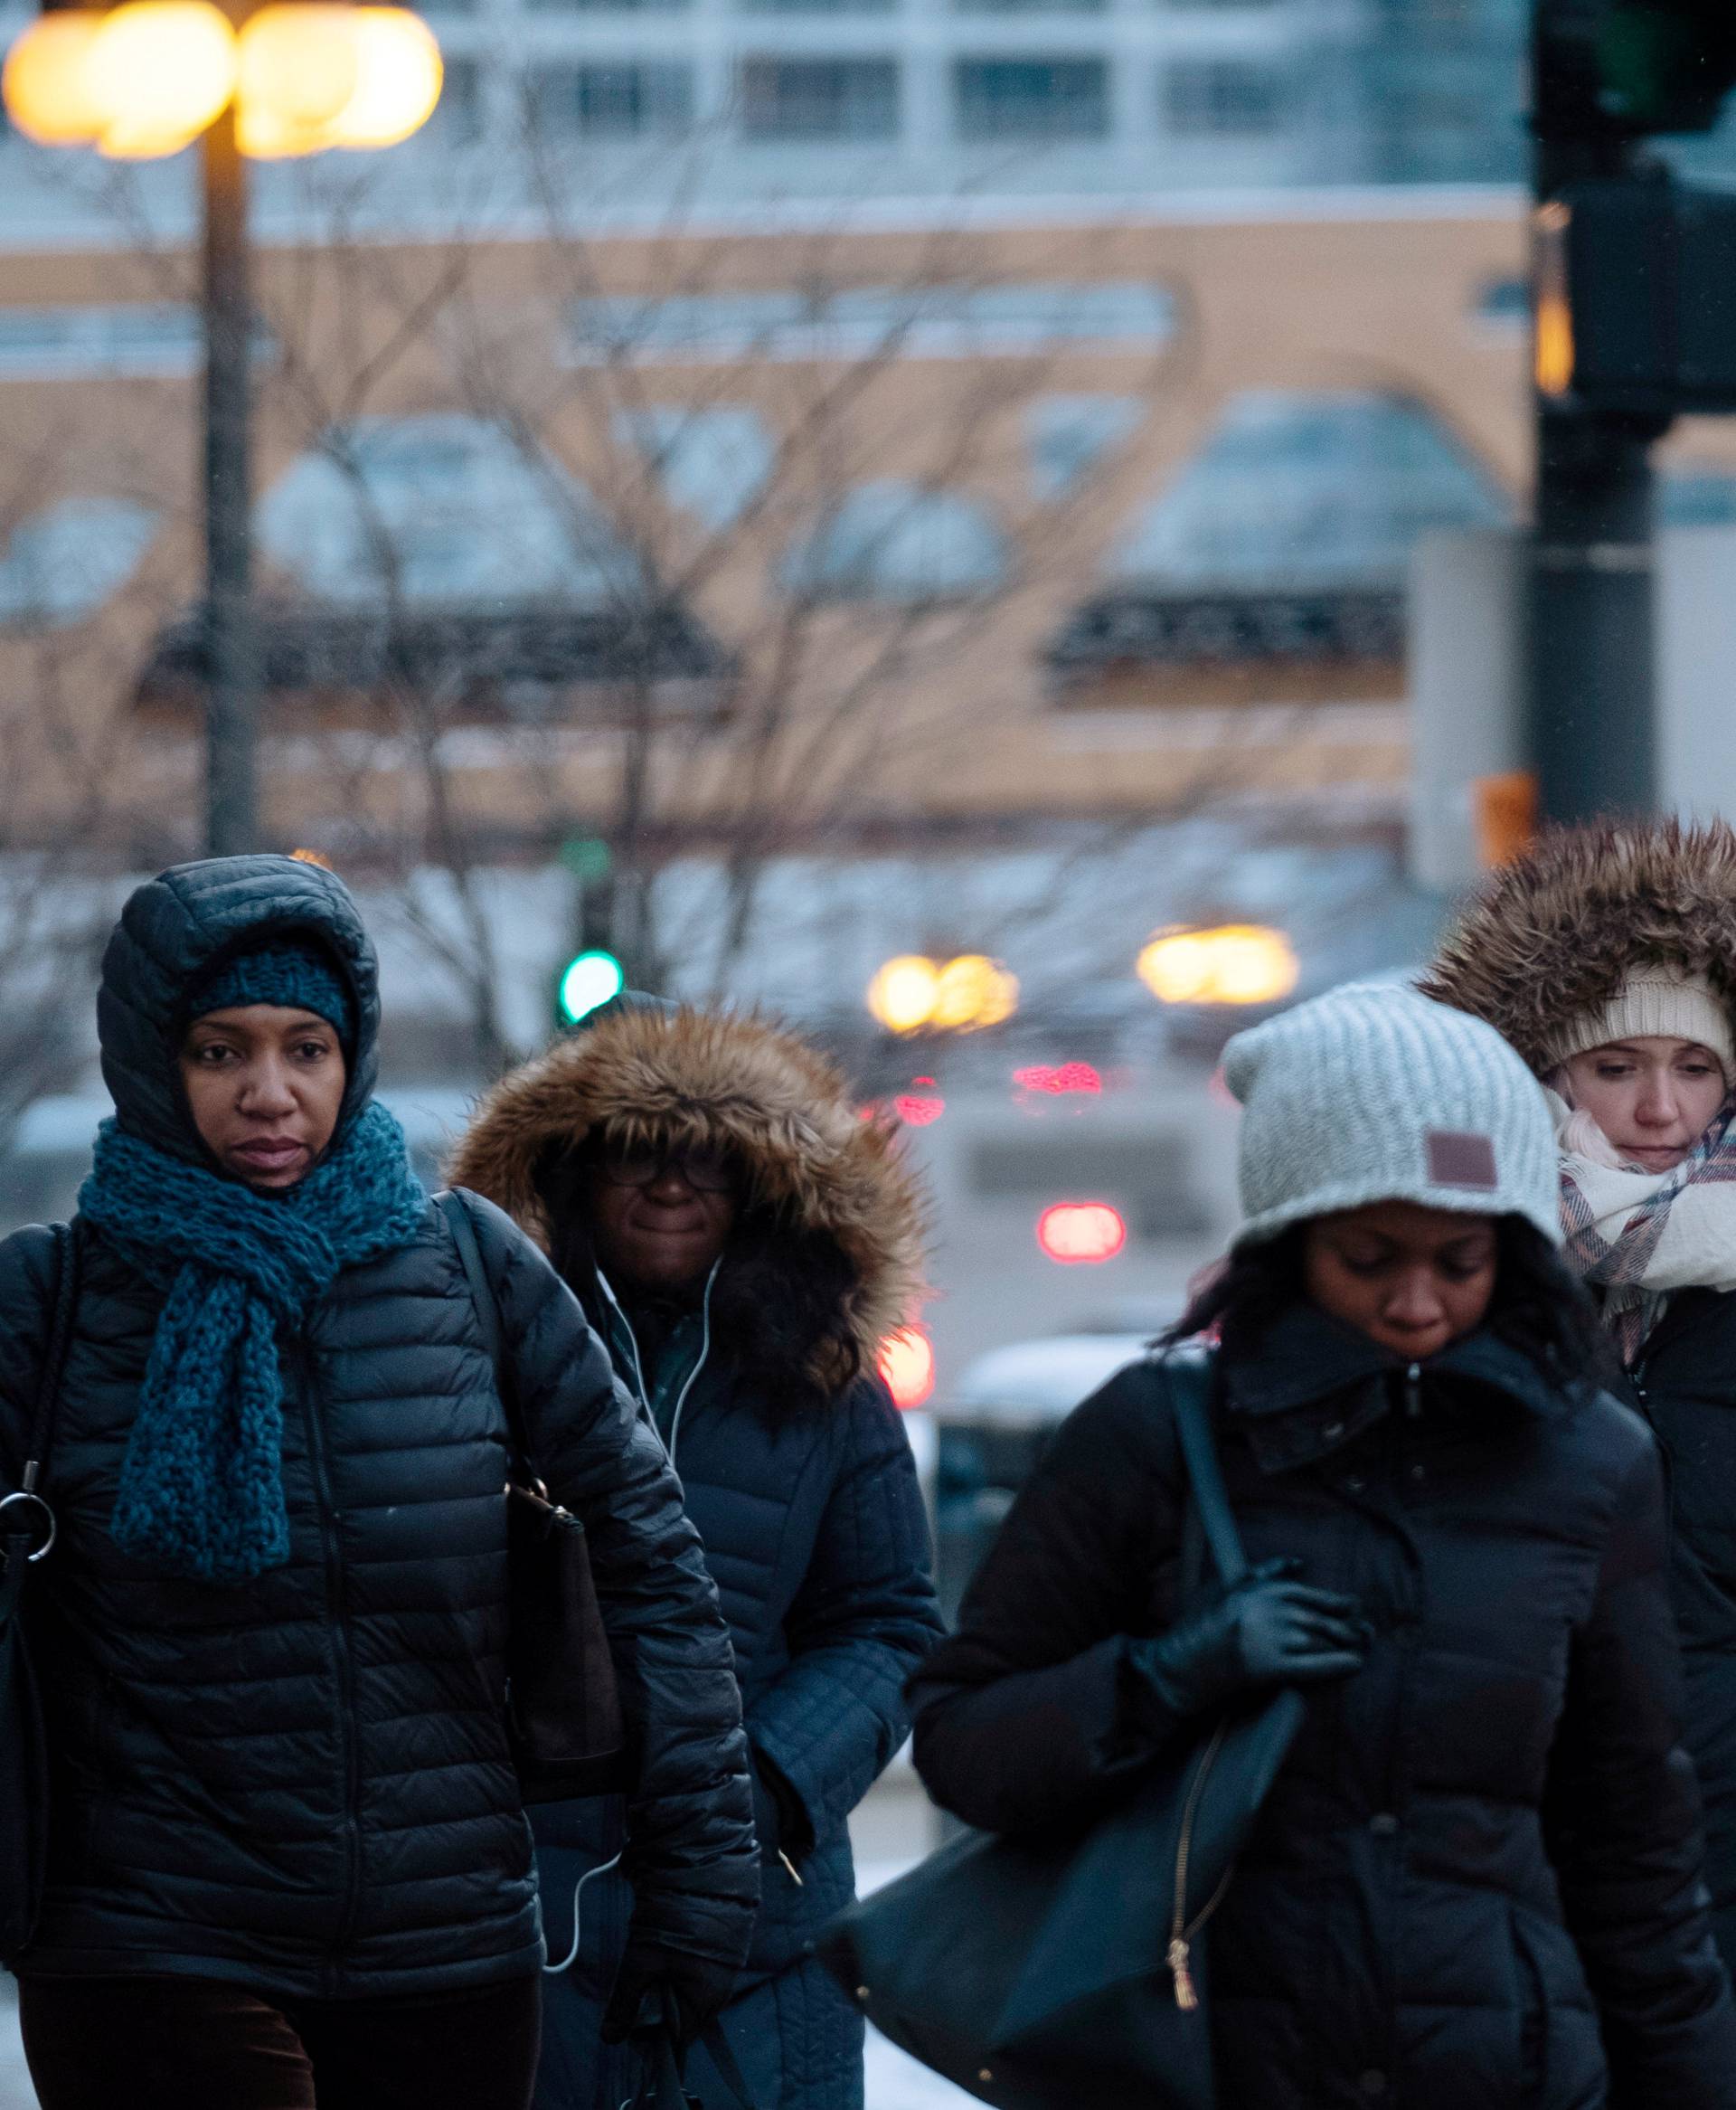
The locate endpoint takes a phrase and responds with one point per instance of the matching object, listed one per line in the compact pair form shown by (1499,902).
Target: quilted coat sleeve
(1020,1720)
(864,1619)
(692,1858)
(1622,1811)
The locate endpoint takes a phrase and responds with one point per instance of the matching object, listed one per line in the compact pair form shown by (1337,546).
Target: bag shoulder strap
(481,1291)
(62,1301)
(1188,1377)
(462,1226)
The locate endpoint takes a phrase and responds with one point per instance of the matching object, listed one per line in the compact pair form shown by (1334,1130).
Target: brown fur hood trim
(727,1080)
(1554,934)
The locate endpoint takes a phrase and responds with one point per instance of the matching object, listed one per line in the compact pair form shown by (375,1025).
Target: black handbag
(563,1702)
(1046,1973)
(27,1533)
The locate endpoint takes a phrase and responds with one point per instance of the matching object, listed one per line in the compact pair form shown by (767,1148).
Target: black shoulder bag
(1041,1974)
(27,1533)
(563,1703)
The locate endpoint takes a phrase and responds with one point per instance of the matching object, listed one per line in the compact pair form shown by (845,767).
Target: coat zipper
(1413,1391)
(1181,1930)
(340,1647)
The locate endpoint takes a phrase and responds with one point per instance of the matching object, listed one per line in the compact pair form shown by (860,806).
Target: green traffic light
(587,982)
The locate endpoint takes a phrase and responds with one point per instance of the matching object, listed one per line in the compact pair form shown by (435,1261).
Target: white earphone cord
(567,1962)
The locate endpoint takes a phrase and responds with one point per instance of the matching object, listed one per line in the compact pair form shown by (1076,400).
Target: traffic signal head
(1665,65)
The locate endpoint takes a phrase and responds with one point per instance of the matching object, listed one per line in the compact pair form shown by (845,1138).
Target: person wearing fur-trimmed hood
(1607,956)
(744,1241)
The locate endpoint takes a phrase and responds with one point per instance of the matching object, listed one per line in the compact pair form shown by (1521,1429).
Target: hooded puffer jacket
(798,1473)
(1552,937)
(1475,1885)
(302,1783)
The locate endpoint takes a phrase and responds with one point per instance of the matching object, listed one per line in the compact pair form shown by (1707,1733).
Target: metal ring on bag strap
(36,1501)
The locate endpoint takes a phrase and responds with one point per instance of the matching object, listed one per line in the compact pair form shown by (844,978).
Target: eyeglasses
(705,1170)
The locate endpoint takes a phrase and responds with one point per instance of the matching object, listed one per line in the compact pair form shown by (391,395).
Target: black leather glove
(1268,1630)
(657,1987)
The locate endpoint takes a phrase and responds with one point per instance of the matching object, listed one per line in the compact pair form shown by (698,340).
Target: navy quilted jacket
(1477,1880)
(811,1516)
(302,1783)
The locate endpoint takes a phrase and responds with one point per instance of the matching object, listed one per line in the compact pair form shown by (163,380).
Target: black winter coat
(1685,1383)
(303,1783)
(1477,1882)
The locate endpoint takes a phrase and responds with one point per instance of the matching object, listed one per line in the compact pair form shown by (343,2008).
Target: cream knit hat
(1653,1001)
(1371,1092)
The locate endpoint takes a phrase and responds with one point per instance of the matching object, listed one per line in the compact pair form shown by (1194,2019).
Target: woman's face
(265,1084)
(1413,1279)
(660,1220)
(1654,1097)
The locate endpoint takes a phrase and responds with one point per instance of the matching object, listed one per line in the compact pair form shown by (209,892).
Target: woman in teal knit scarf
(242,1245)
(287,1863)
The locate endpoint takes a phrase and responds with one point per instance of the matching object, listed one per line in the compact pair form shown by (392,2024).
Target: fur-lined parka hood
(1553,935)
(836,1203)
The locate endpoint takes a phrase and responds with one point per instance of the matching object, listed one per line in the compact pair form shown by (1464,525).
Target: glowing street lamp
(146,79)
(1236,964)
(913,994)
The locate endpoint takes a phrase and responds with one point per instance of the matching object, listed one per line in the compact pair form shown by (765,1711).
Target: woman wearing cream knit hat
(1608,958)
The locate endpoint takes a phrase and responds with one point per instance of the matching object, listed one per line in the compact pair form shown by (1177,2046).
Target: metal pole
(1589,669)
(232,647)
(1592,736)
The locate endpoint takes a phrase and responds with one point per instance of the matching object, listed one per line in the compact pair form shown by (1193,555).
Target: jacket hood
(821,1179)
(1555,934)
(173,933)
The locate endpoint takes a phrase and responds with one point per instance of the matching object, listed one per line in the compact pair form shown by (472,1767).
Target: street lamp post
(231,643)
(287,77)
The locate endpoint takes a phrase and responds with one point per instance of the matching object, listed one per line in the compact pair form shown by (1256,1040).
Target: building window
(1031,99)
(896,543)
(438,507)
(62,564)
(712,463)
(613,99)
(1697,495)
(1066,437)
(1224,99)
(1294,491)
(919,322)
(1501,309)
(53,343)
(800,100)
(457,116)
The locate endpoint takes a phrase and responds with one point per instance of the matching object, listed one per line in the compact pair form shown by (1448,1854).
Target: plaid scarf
(1637,1236)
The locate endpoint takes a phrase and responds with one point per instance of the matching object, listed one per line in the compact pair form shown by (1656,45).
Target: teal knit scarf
(202,1489)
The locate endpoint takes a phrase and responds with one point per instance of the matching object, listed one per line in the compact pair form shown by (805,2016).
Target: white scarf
(1639,1235)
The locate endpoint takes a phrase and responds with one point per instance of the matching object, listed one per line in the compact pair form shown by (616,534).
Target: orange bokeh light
(907,1366)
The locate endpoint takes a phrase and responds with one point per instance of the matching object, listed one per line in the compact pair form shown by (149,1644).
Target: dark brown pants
(200,2044)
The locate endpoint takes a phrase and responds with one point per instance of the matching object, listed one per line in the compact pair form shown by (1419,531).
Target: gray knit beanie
(1373,1093)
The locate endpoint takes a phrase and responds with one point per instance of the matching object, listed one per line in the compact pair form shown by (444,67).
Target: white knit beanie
(1653,1001)
(1373,1093)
